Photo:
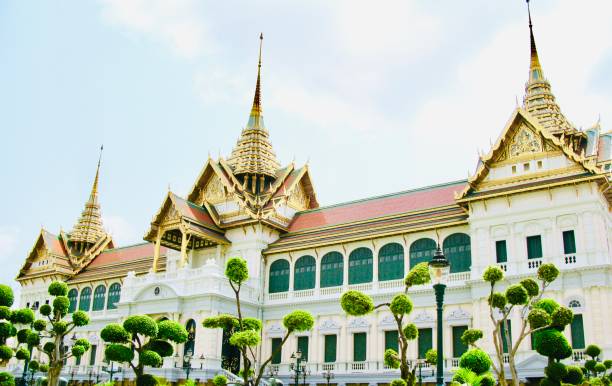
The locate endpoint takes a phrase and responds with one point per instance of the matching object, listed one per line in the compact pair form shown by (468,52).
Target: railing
(391,284)
(506,358)
(361,287)
(278,296)
(330,290)
(534,263)
(328,366)
(459,276)
(359,366)
(303,293)
(578,355)
(569,259)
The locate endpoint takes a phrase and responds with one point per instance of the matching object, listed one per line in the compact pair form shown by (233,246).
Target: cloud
(122,231)
(174,23)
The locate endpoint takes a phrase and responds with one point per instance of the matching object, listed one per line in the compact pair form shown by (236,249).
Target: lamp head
(439,268)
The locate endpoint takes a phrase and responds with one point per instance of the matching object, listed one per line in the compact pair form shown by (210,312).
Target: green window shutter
(577,328)
(276,357)
(305,272)
(359,347)
(73,295)
(457,250)
(99,295)
(425,341)
(534,247)
(279,276)
(330,348)
(360,266)
(503,335)
(391,340)
(569,242)
(422,251)
(501,252)
(92,355)
(302,344)
(85,299)
(114,294)
(391,262)
(458,346)
(332,270)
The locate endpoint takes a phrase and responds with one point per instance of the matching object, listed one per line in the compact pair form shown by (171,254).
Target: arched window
(85,300)
(360,266)
(332,270)
(421,251)
(574,304)
(279,276)
(304,273)
(391,262)
(458,252)
(114,294)
(191,334)
(73,295)
(99,295)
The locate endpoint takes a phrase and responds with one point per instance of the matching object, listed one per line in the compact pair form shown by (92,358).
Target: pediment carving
(214,191)
(525,141)
(299,198)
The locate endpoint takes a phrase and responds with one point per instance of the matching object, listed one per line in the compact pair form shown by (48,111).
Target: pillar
(184,242)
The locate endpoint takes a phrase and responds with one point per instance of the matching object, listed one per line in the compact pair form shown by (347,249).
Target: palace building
(541,194)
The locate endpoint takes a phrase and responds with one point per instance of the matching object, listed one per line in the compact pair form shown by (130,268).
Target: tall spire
(539,100)
(253,154)
(88,229)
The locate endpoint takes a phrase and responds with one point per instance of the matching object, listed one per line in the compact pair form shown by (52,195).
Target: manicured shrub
(497,300)
(487,380)
(548,305)
(6,330)
(470,336)
(593,351)
(6,379)
(517,295)
(5,313)
(141,324)
(45,310)
(80,318)
(23,316)
(391,359)
(431,356)
(356,303)
(552,343)
(411,331)
(150,358)
(548,382)
(476,360)
(146,380)
(531,286)
(418,275)
(114,333)
(58,288)
(22,353)
(22,335)
(493,274)
(548,272)
(163,348)
(118,353)
(562,317)
(61,305)
(6,352)
(398,382)
(251,324)
(248,338)
(173,331)
(538,318)
(60,327)
(236,270)
(600,368)
(6,295)
(33,339)
(78,351)
(298,320)
(401,305)
(219,380)
(556,371)
(40,324)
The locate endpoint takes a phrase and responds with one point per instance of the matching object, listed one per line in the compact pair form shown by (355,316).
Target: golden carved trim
(530,176)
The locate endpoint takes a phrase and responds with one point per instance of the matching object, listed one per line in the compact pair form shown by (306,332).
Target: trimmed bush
(248,338)
(219,380)
(493,274)
(401,305)
(5,313)
(6,295)
(6,379)
(6,353)
(470,336)
(398,382)
(476,360)
(49,347)
(236,270)
(23,316)
(40,324)
(45,310)
(298,320)
(538,318)
(61,305)
(146,380)
(552,343)
(33,339)
(556,371)
(411,331)
(80,318)
(497,300)
(58,288)
(356,303)
(150,358)
(418,275)
(83,343)
(517,295)
(562,317)
(60,327)
(487,380)
(548,272)
(141,324)
(114,333)
(118,353)
(173,331)
(548,305)
(391,358)
(593,351)
(78,351)
(22,353)
(531,286)
(163,348)
(252,324)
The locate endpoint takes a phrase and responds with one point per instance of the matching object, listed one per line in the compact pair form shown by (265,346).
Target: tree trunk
(54,374)
(515,378)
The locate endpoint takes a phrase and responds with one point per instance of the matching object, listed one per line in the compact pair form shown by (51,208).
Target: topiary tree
(525,295)
(595,366)
(142,335)
(7,330)
(219,380)
(357,304)
(55,329)
(246,332)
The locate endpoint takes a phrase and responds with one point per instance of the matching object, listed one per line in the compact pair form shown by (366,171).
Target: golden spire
(88,228)
(539,100)
(253,154)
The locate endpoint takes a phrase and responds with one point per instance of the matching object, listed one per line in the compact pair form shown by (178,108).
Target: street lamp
(111,371)
(187,363)
(296,366)
(305,372)
(420,364)
(328,375)
(439,268)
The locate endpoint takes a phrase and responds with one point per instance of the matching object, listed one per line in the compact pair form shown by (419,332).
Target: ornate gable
(48,257)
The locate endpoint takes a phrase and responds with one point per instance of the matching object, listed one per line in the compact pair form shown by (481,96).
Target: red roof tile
(53,243)
(125,254)
(408,201)
(192,211)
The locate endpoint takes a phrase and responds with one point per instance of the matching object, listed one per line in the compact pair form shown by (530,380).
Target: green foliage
(401,305)
(562,317)
(6,295)
(600,368)
(58,288)
(43,368)
(22,353)
(219,380)
(248,338)
(114,333)
(6,330)
(593,351)
(431,356)
(83,343)
(118,353)
(517,295)
(78,351)
(163,348)
(146,380)
(493,274)
(39,324)
(22,335)
(538,318)
(476,360)
(60,327)
(548,382)
(487,380)
(608,363)
(150,358)
(236,270)
(6,352)
(172,331)
(33,339)
(497,300)
(45,310)
(6,379)
(356,303)
(5,313)
(531,286)
(225,321)
(391,358)
(556,371)
(80,318)
(548,305)
(48,347)
(398,382)
(141,324)
(418,275)
(34,365)
(23,316)
(189,382)
(548,272)
(411,331)
(60,305)
(470,336)
(298,320)
(251,324)
(469,377)
(551,343)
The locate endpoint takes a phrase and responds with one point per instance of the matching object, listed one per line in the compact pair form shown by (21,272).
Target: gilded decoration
(214,191)
(525,142)
(299,198)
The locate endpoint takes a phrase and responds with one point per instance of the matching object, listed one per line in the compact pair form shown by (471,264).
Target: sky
(377,97)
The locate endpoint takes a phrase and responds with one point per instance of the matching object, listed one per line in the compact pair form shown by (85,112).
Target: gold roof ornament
(253,154)
(539,100)
(88,229)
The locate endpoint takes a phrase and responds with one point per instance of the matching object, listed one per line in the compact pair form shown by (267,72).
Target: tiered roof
(88,228)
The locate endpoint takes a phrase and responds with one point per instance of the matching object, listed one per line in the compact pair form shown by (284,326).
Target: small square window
(539,164)
(513,169)
(526,167)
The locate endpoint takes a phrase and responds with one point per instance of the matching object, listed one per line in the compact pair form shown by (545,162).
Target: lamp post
(187,363)
(296,366)
(111,371)
(439,268)
(420,365)
(305,372)
(328,375)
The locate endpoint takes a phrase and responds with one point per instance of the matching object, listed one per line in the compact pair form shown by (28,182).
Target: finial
(260,44)
(94,188)
(535,69)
